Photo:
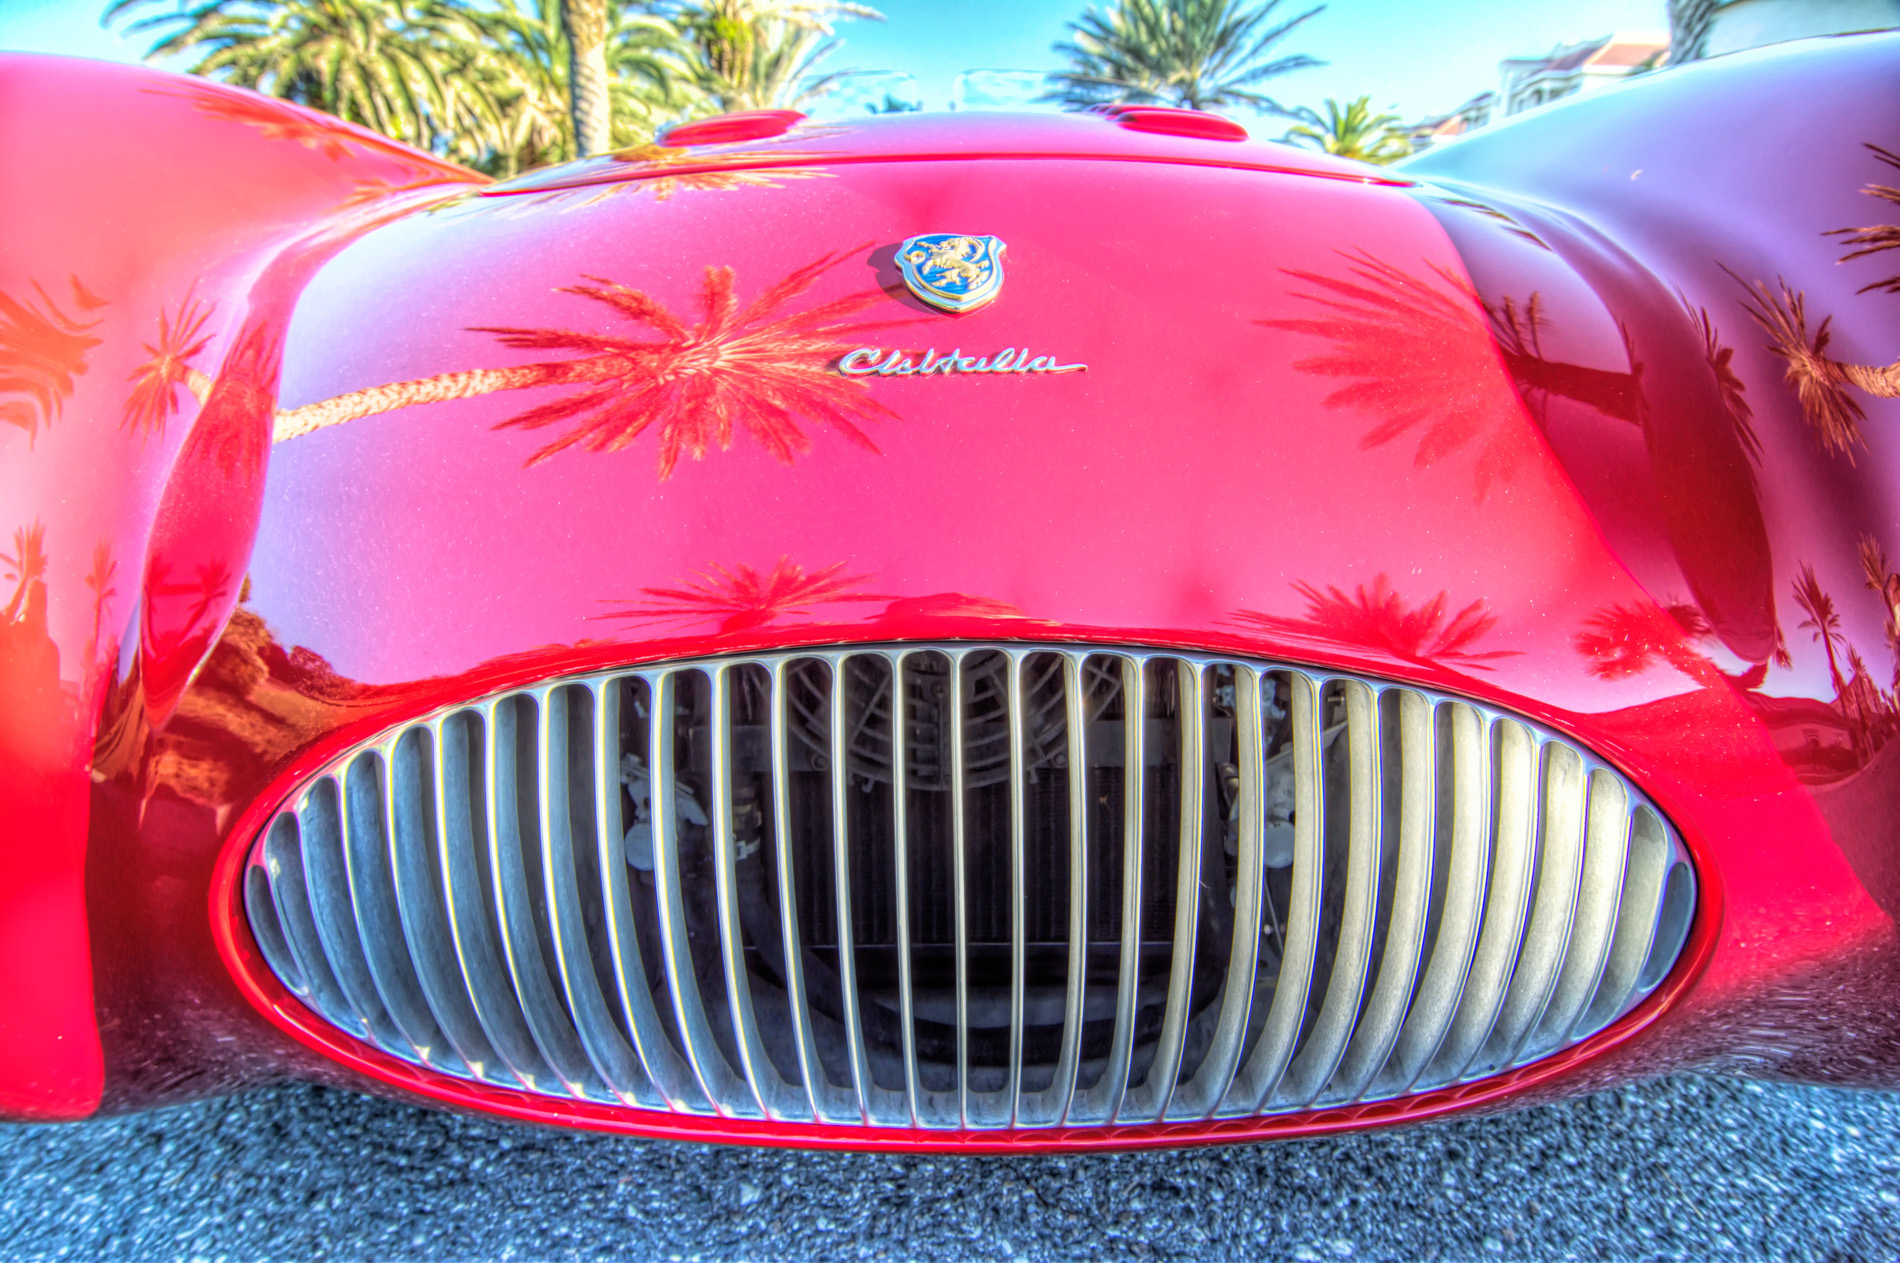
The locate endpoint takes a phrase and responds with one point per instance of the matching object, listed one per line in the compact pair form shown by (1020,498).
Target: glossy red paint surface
(141,213)
(1171,137)
(1310,428)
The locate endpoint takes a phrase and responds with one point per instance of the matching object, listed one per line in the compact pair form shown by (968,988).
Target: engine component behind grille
(976,887)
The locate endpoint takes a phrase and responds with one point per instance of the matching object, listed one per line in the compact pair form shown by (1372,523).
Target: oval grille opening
(969,886)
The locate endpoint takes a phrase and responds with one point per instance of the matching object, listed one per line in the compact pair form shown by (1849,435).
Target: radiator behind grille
(975,887)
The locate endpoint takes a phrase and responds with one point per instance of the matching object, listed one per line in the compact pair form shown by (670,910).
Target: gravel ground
(1686,1168)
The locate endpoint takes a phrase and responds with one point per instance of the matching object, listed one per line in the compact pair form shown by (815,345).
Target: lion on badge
(955,258)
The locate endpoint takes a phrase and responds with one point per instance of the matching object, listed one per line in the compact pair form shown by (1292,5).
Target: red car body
(1579,417)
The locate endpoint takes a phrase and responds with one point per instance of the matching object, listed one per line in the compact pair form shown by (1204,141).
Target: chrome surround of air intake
(515,891)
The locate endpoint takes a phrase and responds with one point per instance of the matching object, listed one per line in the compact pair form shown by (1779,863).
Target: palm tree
(99,579)
(1822,620)
(1352,131)
(155,383)
(1820,382)
(763,54)
(1379,618)
(1689,22)
(1421,349)
(42,351)
(1624,640)
(25,566)
(585,22)
(1196,54)
(755,365)
(385,64)
(1881,580)
(741,598)
(524,51)
(1877,237)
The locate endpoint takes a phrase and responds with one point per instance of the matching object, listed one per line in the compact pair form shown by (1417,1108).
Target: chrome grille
(977,886)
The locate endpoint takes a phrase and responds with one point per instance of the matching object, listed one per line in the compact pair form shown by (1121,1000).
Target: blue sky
(1414,56)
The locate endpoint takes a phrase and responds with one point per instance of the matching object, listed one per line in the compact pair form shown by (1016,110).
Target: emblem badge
(952,271)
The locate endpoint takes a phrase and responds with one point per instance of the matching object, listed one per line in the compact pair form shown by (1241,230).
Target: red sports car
(958,632)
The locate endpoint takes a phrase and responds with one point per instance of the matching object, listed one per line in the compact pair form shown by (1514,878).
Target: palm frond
(1352,130)
(1819,382)
(155,383)
(741,598)
(1378,618)
(1197,54)
(42,353)
(24,566)
(1877,237)
(1419,351)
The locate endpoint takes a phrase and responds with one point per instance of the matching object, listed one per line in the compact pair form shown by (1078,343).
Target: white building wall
(1752,23)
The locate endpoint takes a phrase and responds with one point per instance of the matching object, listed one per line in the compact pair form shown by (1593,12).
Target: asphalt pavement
(1686,1168)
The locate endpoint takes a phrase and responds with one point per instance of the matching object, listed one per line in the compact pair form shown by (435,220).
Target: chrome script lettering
(869,361)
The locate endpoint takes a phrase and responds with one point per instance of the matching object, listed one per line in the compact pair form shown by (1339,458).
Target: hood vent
(970,887)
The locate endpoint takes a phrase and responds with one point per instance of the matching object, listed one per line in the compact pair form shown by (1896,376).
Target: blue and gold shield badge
(951,270)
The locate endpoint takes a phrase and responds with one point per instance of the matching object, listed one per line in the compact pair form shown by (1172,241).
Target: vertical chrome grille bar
(520,939)
(1352,954)
(607,1050)
(1204,1093)
(1443,983)
(1190,712)
(662,1065)
(331,913)
(817,1089)
(412,822)
(1605,855)
(1536,896)
(1636,913)
(959,866)
(1547,937)
(1261,1076)
(267,927)
(1061,1093)
(366,812)
(841,877)
(478,954)
(900,856)
(283,861)
(1018,883)
(722,1087)
(1103,1102)
(762,1080)
(1507,898)
(1378,1027)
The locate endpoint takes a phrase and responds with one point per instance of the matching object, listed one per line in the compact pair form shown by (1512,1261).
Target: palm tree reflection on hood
(323,131)
(1625,640)
(155,383)
(752,366)
(1868,710)
(741,598)
(100,580)
(1420,343)
(1379,619)
(1421,348)
(1881,579)
(24,566)
(1820,382)
(42,349)
(1822,621)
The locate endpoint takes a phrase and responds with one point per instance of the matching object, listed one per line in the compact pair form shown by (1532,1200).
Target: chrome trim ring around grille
(732,887)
